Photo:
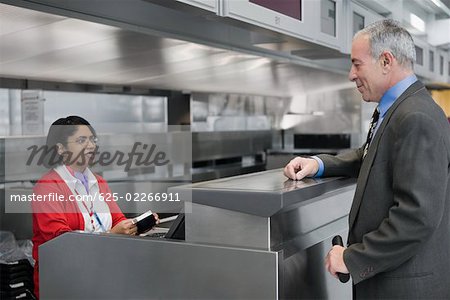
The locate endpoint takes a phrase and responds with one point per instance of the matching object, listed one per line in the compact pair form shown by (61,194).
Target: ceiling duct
(319,53)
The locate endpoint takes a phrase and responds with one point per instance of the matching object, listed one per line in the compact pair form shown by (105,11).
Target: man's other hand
(301,167)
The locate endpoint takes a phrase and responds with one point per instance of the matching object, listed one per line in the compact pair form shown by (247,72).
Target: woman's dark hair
(59,132)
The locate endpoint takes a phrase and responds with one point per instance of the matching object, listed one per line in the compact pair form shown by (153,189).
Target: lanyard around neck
(91,213)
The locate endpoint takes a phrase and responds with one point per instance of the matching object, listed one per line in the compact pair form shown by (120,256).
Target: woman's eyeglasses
(82,140)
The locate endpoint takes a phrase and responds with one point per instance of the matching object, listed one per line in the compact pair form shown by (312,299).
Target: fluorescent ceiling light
(417,22)
(290,121)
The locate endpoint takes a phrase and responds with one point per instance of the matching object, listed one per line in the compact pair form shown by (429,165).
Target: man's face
(366,72)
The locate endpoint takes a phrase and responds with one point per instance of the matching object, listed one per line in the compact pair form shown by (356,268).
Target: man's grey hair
(388,35)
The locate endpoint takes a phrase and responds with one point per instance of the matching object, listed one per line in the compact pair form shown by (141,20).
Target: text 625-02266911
(142,197)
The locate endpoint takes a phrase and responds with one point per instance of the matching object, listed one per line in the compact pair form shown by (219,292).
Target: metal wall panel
(121,267)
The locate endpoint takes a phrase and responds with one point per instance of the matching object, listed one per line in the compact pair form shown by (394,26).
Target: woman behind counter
(74,142)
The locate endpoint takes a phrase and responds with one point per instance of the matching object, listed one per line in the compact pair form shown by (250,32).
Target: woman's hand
(156,218)
(125,227)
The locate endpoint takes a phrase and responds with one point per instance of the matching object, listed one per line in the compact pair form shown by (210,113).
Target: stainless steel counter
(269,212)
(251,236)
(263,194)
(98,266)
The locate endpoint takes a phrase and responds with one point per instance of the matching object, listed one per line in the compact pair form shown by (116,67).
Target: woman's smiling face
(80,148)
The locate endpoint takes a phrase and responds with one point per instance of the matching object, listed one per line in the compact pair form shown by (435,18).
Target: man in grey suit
(399,224)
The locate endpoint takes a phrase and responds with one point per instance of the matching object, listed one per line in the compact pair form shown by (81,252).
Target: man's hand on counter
(301,167)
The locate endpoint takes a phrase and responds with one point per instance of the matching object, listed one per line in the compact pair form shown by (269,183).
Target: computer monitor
(177,230)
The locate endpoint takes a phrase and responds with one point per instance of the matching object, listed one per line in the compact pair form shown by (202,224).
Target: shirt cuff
(321,167)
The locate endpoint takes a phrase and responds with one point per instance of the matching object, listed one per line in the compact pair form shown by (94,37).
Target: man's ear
(387,61)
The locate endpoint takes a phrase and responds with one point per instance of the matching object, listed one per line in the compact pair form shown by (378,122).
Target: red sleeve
(49,217)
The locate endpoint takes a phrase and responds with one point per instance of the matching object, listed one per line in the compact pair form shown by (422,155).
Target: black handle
(337,240)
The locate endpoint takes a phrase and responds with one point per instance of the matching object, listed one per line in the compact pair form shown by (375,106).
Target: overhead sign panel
(291,8)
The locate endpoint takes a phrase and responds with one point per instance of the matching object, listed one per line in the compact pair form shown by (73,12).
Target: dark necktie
(373,125)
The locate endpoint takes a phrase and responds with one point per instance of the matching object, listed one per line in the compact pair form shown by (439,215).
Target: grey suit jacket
(399,223)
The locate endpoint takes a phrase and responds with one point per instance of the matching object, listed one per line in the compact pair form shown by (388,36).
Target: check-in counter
(254,236)
(80,265)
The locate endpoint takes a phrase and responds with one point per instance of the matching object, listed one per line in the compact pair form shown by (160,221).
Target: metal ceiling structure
(41,46)
(150,46)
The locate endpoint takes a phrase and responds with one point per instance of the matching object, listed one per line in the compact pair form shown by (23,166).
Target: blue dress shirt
(386,102)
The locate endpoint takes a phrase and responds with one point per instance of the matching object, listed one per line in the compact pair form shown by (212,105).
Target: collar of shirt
(91,179)
(83,179)
(393,93)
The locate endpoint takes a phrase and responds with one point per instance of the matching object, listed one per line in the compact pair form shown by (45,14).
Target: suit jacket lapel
(368,161)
